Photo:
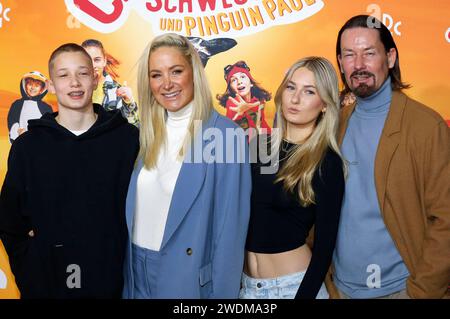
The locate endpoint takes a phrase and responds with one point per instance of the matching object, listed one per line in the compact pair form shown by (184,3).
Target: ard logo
(393,26)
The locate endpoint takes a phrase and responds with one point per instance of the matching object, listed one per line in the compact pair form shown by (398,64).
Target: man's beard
(363,90)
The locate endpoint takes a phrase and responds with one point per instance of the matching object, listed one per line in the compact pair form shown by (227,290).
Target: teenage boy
(62,205)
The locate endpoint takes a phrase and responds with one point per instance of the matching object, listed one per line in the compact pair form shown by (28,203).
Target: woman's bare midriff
(259,265)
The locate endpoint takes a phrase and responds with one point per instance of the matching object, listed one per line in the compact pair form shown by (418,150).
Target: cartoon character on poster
(109,92)
(244,98)
(33,88)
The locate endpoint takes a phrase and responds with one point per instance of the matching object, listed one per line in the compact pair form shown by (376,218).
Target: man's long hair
(370,22)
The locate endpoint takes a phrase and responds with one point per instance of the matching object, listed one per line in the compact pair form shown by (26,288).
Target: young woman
(244,98)
(305,188)
(109,92)
(187,215)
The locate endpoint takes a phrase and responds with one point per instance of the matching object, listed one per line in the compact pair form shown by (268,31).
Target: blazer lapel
(389,141)
(131,197)
(188,185)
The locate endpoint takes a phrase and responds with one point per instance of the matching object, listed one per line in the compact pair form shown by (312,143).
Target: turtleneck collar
(377,103)
(181,117)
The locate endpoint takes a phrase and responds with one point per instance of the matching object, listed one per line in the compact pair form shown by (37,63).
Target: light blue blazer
(202,250)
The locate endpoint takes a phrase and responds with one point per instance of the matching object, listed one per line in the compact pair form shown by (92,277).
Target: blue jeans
(283,287)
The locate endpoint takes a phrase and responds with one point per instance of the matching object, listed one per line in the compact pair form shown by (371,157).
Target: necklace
(285,145)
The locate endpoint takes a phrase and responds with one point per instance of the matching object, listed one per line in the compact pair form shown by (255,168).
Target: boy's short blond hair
(68,47)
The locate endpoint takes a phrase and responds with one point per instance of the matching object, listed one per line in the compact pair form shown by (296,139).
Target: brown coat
(412,178)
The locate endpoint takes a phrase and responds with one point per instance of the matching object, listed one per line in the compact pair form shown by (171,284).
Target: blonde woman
(304,189)
(188,203)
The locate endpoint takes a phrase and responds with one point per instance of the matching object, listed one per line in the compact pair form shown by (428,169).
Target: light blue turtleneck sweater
(364,250)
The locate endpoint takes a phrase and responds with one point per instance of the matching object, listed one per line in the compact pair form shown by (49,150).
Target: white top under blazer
(155,187)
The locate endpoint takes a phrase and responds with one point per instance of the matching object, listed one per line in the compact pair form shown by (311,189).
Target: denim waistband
(281,281)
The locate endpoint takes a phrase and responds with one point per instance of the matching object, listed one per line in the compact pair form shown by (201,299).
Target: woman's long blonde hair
(152,115)
(305,158)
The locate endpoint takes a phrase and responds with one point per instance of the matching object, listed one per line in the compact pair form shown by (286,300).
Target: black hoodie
(70,190)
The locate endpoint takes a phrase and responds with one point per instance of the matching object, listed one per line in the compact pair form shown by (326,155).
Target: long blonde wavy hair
(153,115)
(305,158)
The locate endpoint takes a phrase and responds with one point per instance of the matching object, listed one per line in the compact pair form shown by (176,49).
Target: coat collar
(388,143)
(389,140)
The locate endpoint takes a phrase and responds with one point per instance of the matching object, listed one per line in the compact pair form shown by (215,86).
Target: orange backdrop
(31,30)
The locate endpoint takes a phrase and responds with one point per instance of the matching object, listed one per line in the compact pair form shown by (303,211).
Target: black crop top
(278,222)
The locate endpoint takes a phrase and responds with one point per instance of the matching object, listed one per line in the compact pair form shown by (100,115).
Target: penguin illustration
(33,88)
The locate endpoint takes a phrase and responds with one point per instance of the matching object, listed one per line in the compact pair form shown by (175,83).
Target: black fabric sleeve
(13,113)
(14,224)
(329,188)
